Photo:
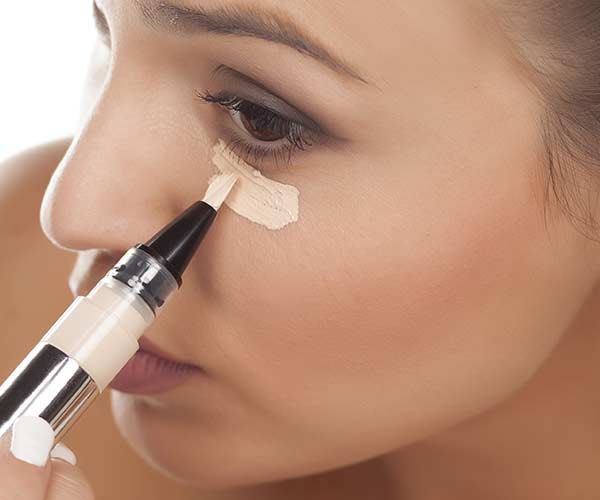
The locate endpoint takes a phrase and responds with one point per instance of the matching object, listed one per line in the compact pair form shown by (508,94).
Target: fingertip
(63,452)
(68,482)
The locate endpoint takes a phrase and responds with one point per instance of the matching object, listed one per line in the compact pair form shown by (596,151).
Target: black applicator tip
(175,244)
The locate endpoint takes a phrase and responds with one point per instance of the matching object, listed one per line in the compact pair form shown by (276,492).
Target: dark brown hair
(559,40)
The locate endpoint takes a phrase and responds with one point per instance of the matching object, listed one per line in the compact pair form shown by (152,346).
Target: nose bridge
(120,179)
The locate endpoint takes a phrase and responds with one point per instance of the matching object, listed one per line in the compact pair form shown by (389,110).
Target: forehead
(391,39)
(375,37)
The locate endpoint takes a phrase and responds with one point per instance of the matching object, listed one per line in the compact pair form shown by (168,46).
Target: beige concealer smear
(255,197)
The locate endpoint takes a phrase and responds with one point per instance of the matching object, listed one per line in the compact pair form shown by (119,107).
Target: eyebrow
(240,20)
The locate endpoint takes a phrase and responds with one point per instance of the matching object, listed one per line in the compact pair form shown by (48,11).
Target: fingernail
(31,441)
(63,452)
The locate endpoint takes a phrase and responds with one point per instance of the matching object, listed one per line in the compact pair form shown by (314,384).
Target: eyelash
(296,136)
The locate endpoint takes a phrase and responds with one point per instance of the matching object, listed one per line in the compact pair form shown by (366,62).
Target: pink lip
(149,371)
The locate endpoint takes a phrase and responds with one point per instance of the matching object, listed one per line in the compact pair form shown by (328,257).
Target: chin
(162,439)
(178,445)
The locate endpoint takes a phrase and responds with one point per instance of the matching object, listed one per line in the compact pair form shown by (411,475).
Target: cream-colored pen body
(88,345)
(100,331)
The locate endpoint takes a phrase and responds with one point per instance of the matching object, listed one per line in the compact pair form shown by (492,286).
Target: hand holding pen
(33,467)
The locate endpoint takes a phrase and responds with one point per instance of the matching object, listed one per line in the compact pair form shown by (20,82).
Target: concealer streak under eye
(255,197)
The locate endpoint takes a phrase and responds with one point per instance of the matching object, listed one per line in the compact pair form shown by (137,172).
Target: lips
(151,371)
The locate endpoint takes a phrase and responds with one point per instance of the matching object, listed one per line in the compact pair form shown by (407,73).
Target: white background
(44,50)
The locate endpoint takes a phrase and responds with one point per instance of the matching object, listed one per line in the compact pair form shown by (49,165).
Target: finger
(63,452)
(67,481)
(24,464)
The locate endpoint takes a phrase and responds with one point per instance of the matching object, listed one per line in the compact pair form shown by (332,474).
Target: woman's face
(420,284)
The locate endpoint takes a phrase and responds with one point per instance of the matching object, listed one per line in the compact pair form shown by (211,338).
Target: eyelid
(226,95)
(247,88)
(231,101)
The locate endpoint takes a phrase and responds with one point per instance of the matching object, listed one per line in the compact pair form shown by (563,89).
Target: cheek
(423,305)
(445,297)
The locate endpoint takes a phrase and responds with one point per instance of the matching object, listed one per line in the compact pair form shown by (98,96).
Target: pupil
(260,124)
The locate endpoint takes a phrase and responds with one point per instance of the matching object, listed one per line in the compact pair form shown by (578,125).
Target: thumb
(24,464)
(27,474)
(67,481)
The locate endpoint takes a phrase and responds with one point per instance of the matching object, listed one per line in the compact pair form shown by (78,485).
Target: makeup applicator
(98,333)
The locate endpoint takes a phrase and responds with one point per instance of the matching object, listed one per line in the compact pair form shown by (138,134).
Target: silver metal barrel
(48,384)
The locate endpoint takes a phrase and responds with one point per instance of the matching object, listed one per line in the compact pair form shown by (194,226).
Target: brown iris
(261,123)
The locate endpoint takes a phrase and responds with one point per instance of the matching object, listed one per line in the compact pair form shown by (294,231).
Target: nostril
(90,267)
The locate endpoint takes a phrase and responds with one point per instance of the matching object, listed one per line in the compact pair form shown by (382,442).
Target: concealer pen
(98,333)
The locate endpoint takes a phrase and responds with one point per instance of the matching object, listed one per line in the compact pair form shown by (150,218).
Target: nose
(137,162)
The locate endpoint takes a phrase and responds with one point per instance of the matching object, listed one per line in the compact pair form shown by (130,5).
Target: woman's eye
(259,122)
(264,134)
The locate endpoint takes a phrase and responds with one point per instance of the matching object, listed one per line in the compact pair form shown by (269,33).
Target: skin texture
(420,321)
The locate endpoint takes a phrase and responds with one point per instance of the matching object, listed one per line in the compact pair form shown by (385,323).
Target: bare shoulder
(23,180)
(34,272)
(30,167)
